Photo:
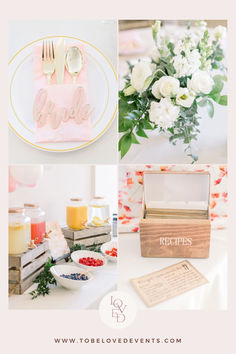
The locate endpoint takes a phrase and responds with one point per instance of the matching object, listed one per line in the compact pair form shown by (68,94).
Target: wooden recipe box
(175,214)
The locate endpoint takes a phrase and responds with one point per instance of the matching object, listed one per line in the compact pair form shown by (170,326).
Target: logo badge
(117,309)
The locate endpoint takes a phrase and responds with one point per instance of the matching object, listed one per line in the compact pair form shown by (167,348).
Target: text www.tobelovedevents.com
(117,340)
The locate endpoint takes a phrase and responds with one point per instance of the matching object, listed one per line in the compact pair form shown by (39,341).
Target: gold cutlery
(74,61)
(48,59)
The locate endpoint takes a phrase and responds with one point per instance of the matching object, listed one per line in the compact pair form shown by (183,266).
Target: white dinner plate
(102,87)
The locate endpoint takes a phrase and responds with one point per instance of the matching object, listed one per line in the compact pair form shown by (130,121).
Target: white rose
(166,86)
(201,82)
(141,71)
(163,113)
(184,97)
(219,32)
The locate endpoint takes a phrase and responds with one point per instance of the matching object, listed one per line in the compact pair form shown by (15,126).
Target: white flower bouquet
(165,92)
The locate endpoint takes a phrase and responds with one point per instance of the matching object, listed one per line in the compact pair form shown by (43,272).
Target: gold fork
(48,59)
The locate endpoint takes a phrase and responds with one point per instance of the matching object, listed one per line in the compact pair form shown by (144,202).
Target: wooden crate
(24,268)
(90,241)
(85,233)
(89,236)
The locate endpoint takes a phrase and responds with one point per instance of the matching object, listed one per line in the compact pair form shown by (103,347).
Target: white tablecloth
(212,296)
(60,298)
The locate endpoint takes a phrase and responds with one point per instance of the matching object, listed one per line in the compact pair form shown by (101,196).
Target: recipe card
(168,282)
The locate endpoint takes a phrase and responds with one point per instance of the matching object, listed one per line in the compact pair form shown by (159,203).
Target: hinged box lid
(185,190)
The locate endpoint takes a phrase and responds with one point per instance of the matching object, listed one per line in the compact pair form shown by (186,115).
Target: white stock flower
(184,45)
(184,97)
(201,82)
(207,65)
(219,32)
(166,86)
(141,71)
(181,66)
(163,113)
(188,64)
(194,60)
(155,55)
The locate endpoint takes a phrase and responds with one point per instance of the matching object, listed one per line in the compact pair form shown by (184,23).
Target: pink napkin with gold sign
(61,111)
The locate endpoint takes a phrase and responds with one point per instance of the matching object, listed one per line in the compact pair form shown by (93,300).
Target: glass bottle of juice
(76,214)
(38,222)
(98,211)
(18,231)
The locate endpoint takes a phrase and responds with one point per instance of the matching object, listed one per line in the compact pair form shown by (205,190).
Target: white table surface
(103,35)
(212,296)
(211,146)
(60,298)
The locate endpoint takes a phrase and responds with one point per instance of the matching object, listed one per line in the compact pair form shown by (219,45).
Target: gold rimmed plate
(102,87)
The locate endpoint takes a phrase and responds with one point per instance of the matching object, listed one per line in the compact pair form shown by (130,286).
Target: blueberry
(75,276)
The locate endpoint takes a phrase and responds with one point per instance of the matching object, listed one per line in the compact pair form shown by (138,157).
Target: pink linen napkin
(62,112)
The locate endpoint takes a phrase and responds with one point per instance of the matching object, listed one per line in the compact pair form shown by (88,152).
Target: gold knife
(60,60)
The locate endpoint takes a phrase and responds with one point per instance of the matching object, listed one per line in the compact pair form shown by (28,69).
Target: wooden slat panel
(85,233)
(18,275)
(90,241)
(177,216)
(175,211)
(20,260)
(19,289)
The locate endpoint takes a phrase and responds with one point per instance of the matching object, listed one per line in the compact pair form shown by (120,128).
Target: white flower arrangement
(165,92)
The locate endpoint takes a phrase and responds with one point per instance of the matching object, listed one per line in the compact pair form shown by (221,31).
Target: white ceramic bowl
(57,270)
(108,247)
(75,256)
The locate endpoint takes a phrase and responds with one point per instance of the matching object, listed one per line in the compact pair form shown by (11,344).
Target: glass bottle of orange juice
(18,231)
(76,214)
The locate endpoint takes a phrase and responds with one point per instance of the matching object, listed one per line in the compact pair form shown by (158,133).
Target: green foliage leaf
(215,97)
(223,100)
(218,86)
(171,46)
(134,139)
(79,247)
(125,124)
(147,125)
(203,102)
(125,143)
(125,108)
(141,132)
(210,108)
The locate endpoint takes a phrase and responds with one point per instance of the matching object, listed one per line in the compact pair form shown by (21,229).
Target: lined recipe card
(168,282)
